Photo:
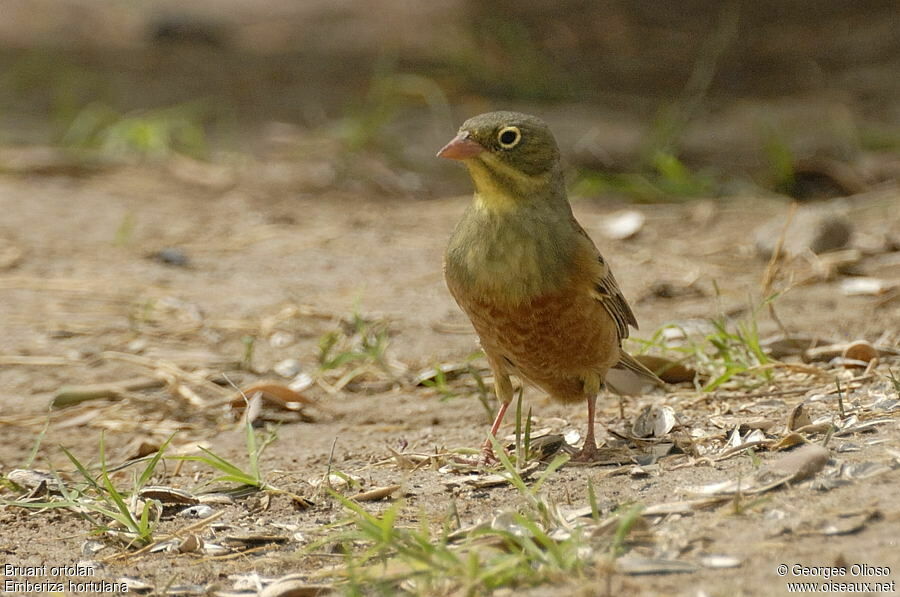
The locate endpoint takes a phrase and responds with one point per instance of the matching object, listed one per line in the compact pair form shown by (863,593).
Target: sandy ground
(81,288)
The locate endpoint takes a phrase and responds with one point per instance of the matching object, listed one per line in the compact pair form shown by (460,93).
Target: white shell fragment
(281,339)
(798,417)
(33,479)
(135,585)
(288,368)
(623,224)
(864,286)
(719,561)
(199,511)
(654,421)
(92,547)
(301,382)
(572,437)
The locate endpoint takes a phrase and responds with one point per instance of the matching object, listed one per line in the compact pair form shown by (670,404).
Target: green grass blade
(520,453)
(514,476)
(82,470)
(37,446)
(147,473)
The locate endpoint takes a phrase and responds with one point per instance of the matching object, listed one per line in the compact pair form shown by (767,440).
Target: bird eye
(509,137)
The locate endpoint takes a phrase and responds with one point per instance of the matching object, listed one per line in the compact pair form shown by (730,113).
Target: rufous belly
(554,341)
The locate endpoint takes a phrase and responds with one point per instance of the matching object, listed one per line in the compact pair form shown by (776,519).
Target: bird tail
(629,363)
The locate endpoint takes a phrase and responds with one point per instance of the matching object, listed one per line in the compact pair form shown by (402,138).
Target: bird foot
(488,458)
(466,460)
(588,453)
(484,460)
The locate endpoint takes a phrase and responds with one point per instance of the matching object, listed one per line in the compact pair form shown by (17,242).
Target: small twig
(840,395)
(16,360)
(738,449)
(771,272)
(772,269)
(828,435)
(330,460)
(871,366)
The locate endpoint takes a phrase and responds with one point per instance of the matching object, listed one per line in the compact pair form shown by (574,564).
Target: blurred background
(651,101)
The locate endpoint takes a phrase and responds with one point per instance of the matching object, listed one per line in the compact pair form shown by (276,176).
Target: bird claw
(486,459)
(588,453)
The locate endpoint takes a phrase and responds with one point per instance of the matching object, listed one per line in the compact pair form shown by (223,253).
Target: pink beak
(460,148)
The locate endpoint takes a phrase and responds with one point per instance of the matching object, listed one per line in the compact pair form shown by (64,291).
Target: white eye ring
(506,140)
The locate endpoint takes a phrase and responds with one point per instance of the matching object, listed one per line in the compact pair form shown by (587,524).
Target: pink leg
(487,451)
(589,451)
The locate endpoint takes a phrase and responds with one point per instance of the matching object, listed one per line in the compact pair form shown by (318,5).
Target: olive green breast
(509,257)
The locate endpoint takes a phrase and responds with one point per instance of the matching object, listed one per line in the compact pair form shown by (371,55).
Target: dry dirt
(86,289)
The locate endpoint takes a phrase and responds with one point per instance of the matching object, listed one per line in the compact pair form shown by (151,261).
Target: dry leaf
(190,544)
(273,394)
(860,351)
(378,493)
(796,466)
(262,398)
(789,441)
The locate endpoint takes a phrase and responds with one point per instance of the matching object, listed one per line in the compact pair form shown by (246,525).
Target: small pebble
(281,339)
(288,368)
(172,256)
(198,511)
(813,228)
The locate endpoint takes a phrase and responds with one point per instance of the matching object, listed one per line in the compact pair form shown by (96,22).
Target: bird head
(511,157)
